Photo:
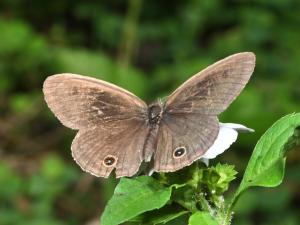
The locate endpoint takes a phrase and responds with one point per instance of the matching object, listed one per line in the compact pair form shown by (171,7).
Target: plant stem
(227,218)
(204,203)
(128,43)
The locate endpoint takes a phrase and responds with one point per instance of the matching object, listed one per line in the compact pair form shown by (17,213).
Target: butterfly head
(155,113)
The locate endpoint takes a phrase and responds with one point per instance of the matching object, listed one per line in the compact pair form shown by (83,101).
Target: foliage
(35,197)
(133,197)
(201,193)
(266,166)
(202,218)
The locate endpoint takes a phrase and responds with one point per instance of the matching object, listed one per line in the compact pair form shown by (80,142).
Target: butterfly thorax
(154,113)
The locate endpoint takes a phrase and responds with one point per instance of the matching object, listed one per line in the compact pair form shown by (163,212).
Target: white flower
(227,135)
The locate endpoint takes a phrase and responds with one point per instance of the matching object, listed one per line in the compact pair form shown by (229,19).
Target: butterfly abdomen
(153,120)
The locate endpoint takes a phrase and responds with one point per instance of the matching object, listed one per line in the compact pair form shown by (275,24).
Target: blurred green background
(149,48)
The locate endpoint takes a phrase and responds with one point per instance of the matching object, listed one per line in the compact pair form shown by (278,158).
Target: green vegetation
(200,194)
(148,48)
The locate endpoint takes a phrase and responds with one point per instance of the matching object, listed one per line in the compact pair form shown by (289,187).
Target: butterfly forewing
(212,90)
(81,102)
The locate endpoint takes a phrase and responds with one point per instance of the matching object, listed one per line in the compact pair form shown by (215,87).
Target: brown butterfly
(117,130)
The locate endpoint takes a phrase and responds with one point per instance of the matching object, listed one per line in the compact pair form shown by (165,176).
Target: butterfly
(118,131)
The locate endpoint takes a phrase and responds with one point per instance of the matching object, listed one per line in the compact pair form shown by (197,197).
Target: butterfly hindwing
(118,146)
(195,135)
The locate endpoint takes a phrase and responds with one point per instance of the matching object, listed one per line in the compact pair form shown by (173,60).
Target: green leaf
(179,220)
(21,103)
(161,216)
(53,168)
(81,61)
(11,184)
(267,163)
(202,218)
(163,219)
(133,197)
